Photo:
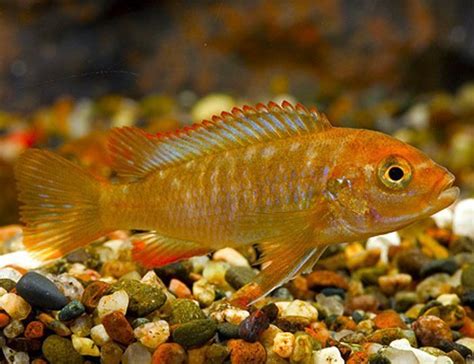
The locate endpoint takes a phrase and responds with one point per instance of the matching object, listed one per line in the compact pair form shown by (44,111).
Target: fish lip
(449,195)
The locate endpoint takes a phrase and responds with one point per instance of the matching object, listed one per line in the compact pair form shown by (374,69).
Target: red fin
(60,204)
(154,250)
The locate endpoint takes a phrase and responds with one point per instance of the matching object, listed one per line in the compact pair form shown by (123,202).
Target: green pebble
(216,354)
(227,330)
(58,350)
(467,277)
(144,298)
(238,277)
(72,310)
(184,310)
(378,359)
(139,322)
(369,276)
(7,284)
(194,333)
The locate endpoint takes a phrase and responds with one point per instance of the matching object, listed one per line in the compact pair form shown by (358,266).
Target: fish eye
(395,173)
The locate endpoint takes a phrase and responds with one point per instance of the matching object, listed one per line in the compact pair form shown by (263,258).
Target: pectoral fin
(311,262)
(282,260)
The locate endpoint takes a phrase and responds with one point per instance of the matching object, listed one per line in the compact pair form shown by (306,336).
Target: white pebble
(10,273)
(444,218)
(463,218)
(15,306)
(448,299)
(152,279)
(302,309)
(383,243)
(117,301)
(404,346)
(231,256)
(283,344)
(152,334)
(85,346)
(99,335)
(21,358)
(467,341)
(136,353)
(328,356)
(204,292)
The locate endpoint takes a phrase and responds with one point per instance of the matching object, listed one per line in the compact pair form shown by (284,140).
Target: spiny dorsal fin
(136,153)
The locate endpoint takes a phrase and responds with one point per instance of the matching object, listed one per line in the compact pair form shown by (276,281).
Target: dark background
(314,50)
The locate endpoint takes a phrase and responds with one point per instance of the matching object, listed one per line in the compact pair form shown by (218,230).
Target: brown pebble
(365,302)
(242,352)
(387,319)
(34,330)
(431,331)
(251,327)
(326,278)
(51,323)
(118,328)
(93,293)
(343,323)
(169,353)
(39,361)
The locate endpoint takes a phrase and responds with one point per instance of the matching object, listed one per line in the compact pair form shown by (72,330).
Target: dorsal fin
(135,153)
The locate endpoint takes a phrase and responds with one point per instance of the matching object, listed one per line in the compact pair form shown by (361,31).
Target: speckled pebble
(117,301)
(242,352)
(153,334)
(85,346)
(283,344)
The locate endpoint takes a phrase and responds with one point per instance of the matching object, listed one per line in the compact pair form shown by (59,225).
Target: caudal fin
(60,204)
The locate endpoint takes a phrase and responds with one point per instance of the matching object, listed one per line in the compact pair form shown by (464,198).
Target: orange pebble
(468,327)
(388,319)
(169,353)
(4,319)
(34,330)
(359,357)
(319,331)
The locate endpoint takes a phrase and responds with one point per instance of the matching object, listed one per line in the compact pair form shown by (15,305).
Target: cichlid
(278,176)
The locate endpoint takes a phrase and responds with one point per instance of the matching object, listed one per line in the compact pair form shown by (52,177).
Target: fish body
(278,176)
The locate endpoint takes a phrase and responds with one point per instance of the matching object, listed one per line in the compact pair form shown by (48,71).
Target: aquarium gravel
(405,297)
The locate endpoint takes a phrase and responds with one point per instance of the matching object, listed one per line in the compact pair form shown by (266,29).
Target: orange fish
(278,176)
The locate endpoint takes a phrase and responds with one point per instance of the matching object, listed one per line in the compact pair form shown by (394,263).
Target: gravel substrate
(405,297)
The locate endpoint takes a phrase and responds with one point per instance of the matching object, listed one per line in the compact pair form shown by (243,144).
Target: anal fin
(155,250)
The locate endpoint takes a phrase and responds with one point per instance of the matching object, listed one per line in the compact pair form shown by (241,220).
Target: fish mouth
(448,194)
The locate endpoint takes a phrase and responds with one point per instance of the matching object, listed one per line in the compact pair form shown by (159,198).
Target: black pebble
(447,346)
(334,291)
(39,291)
(448,266)
(467,298)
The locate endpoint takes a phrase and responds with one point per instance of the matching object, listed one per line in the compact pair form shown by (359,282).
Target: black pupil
(395,173)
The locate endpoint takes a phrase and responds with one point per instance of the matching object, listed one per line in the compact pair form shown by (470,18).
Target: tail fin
(60,204)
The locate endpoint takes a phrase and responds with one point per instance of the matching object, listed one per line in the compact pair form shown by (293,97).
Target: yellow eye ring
(395,173)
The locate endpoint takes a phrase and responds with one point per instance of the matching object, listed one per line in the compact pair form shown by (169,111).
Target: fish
(277,175)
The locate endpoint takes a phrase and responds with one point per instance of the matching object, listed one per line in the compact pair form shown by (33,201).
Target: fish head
(383,184)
